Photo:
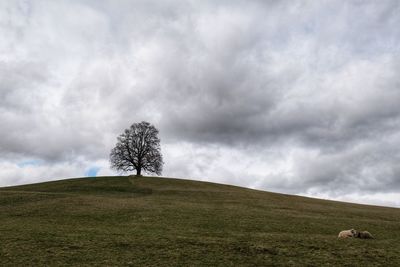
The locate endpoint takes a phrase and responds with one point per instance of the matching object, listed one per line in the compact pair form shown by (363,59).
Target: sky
(296,97)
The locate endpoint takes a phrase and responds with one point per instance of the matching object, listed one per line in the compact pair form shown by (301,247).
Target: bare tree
(138,148)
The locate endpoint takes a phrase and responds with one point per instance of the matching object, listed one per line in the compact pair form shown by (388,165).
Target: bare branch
(138,148)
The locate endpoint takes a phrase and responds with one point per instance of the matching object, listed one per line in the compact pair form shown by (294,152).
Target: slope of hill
(148,221)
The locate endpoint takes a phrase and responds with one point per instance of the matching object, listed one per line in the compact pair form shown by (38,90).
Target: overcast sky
(298,97)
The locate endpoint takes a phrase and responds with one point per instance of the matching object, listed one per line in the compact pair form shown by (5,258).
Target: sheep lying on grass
(347,233)
(364,235)
(355,233)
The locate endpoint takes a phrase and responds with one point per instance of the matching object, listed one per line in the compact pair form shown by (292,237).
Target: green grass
(148,221)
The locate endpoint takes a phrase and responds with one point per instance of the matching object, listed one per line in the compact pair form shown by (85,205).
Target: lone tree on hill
(138,148)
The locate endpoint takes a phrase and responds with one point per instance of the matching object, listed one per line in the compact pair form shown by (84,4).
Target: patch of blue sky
(30,162)
(92,171)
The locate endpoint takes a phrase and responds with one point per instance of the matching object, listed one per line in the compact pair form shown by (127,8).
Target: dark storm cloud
(301,96)
(231,86)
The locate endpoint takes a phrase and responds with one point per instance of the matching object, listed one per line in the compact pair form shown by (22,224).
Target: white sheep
(347,233)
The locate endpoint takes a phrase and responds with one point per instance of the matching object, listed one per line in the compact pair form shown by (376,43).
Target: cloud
(26,172)
(295,97)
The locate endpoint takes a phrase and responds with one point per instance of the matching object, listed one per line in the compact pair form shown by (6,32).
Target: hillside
(148,221)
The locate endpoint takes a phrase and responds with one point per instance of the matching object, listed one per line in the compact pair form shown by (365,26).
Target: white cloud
(16,174)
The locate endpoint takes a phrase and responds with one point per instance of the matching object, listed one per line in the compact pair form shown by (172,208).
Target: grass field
(148,221)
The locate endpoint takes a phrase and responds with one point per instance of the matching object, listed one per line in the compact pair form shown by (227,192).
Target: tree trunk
(138,171)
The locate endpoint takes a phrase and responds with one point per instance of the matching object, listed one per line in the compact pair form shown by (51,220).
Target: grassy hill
(148,221)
